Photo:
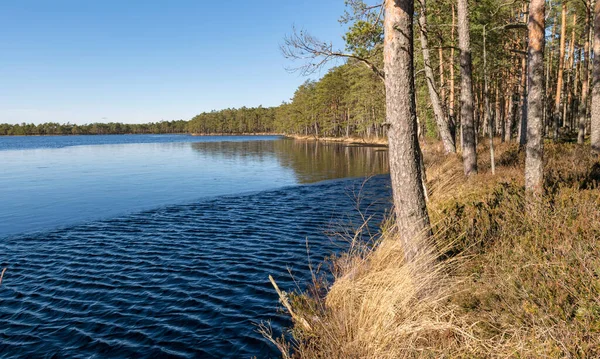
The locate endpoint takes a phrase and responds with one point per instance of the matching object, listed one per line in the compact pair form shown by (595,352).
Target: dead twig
(283,299)
(2,275)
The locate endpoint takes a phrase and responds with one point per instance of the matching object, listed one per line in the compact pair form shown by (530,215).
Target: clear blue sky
(135,61)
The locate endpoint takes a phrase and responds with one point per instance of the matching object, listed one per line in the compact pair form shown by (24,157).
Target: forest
(112,128)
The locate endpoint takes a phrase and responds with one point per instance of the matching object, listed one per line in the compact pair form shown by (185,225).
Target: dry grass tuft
(507,279)
(380,307)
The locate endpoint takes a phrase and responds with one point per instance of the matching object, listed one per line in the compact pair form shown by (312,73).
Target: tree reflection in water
(311,161)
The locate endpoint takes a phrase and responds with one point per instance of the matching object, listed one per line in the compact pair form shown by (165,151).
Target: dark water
(185,278)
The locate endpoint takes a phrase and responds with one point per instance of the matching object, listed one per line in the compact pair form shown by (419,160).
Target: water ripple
(181,281)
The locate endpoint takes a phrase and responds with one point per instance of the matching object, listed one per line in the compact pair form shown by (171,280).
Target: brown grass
(508,279)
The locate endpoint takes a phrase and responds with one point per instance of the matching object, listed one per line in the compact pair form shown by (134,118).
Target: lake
(161,245)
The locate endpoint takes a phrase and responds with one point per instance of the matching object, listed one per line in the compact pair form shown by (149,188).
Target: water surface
(163,249)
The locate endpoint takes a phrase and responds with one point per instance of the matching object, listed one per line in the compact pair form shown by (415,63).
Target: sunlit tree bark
(440,115)
(452,79)
(466,90)
(534,162)
(582,113)
(404,153)
(595,126)
(561,67)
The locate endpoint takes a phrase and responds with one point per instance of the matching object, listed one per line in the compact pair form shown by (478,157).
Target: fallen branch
(283,299)
(2,275)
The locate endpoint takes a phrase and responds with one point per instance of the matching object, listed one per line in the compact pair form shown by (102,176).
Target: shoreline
(237,134)
(378,142)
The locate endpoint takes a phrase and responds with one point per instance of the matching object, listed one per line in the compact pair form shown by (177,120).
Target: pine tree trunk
(486,94)
(510,119)
(569,84)
(534,160)
(452,79)
(412,219)
(499,113)
(549,112)
(595,127)
(523,117)
(438,110)
(561,66)
(466,90)
(442,74)
(523,122)
(582,113)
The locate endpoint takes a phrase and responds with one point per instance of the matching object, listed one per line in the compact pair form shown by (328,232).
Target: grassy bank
(508,279)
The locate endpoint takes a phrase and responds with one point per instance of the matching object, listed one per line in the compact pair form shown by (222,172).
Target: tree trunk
(441,69)
(523,123)
(452,80)
(499,113)
(561,66)
(466,90)
(438,110)
(512,114)
(412,219)
(595,129)
(486,94)
(582,113)
(523,120)
(534,160)
(569,84)
(549,112)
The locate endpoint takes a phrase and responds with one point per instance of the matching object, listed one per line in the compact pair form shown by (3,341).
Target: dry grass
(507,280)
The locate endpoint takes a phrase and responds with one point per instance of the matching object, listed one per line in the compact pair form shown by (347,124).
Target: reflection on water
(314,161)
(311,161)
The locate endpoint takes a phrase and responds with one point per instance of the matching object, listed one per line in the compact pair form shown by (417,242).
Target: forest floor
(508,277)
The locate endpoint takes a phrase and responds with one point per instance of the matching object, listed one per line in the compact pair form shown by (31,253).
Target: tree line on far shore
(348,100)
(112,128)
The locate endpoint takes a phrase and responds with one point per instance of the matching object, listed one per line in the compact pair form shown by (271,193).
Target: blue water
(62,183)
(159,247)
(33,142)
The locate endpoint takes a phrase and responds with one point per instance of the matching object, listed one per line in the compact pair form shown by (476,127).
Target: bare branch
(502,6)
(315,53)
(2,275)
(360,11)
(519,52)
